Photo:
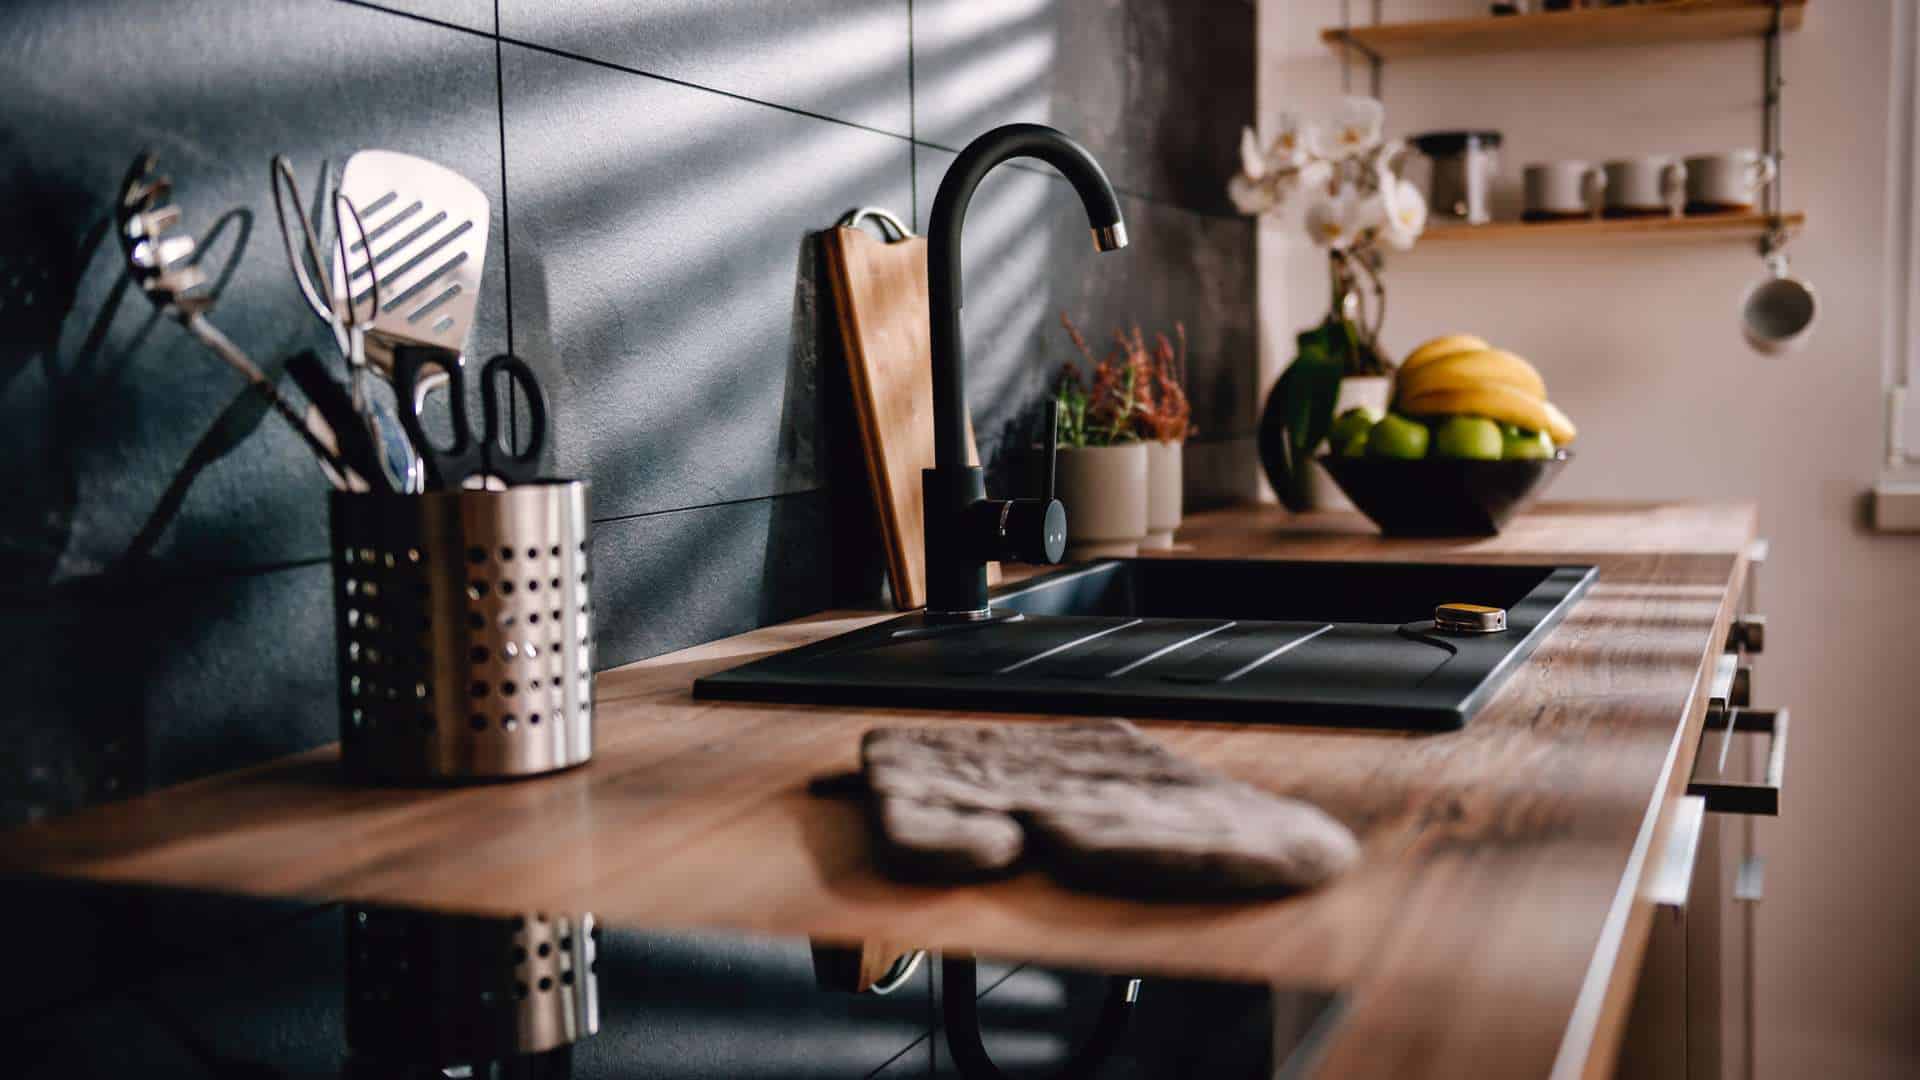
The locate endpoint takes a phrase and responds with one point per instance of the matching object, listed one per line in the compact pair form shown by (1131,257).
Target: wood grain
(1584,231)
(1492,922)
(1641,24)
(880,295)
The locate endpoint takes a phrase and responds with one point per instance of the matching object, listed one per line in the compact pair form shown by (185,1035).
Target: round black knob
(1033,531)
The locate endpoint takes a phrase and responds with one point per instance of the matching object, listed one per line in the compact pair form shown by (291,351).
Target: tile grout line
(506,222)
(913,130)
(911,136)
(742,501)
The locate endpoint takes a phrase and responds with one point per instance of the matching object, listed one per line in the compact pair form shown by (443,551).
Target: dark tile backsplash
(657,169)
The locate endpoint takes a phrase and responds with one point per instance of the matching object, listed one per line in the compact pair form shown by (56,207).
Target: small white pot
(1165,491)
(1371,391)
(1105,491)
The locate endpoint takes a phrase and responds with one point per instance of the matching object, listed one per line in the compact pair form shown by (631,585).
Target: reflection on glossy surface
(149,983)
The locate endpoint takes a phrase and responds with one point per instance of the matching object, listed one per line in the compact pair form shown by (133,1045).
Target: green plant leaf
(1308,389)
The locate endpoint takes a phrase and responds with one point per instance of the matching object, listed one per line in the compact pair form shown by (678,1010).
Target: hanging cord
(1773,199)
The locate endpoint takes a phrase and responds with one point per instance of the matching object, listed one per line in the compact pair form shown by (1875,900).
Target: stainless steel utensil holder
(436,990)
(464,632)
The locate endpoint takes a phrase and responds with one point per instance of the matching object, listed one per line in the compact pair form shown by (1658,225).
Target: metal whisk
(336,305)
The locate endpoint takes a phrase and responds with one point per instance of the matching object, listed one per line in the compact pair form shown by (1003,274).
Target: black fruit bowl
(1442,496)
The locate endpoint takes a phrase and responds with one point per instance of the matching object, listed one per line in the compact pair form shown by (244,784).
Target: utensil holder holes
(476,589)
(546,983)
(480,688)
(477,722)
(508,689)
(546,949)
(506,552)
(533,719)
(479,654)
(509,722)
(475,555)
(506,588)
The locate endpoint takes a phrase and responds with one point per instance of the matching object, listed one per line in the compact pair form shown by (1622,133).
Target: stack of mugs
(1653,186)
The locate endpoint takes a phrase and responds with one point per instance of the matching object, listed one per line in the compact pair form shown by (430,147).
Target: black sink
(1333,643)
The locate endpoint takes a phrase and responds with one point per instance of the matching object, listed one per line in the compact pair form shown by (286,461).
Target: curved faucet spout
(943,255)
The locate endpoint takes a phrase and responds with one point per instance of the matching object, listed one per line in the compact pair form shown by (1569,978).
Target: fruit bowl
(1438,496)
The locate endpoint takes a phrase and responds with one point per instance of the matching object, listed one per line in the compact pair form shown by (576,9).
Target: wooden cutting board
(880,292)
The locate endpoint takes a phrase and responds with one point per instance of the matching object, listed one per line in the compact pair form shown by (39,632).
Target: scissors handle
(416,370)
(499,456)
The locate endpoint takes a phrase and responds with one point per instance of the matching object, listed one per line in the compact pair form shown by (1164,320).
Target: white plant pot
(1105,491)
(1371,391)
(1165,491)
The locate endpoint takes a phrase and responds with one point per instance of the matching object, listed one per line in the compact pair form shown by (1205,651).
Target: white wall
(1639,344)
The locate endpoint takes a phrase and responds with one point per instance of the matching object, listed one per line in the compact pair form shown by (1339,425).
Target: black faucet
(965,530)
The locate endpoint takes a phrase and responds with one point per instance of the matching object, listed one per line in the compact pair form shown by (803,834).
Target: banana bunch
(1460,374)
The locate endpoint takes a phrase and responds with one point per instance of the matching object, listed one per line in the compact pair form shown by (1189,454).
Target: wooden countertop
(1493,928)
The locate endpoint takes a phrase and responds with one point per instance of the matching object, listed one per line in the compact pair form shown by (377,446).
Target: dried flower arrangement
(1135,392)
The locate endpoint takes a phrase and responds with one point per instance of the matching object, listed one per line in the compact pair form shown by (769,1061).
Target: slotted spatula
(426,230)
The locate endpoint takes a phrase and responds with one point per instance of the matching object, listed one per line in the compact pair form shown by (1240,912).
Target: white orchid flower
(1406,214)
(1253,163)
(1292,144)
(1252,195)
(1336,220)
(1356,127)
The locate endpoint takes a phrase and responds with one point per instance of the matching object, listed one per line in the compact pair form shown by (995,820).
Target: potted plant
(1358,205)
(1121,432)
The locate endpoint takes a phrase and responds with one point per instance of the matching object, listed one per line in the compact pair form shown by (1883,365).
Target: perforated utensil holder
(464,632)
(431,989)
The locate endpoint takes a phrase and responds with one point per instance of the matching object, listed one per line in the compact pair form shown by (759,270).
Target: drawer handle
(1673,878)
(1728,797)
(1748,634)
(1751,881)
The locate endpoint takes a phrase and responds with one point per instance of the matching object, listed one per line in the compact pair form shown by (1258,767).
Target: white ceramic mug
(1646,185)
(1777,313)
(1563,189)
(1727,181)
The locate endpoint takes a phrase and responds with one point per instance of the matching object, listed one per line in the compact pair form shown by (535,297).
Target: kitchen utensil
(1727,181)
(398,465)
(1777,313)
(426,244)
(1645,186)
(1562,190)
(464,633)
(468,457)
(1442,496)
(161,261)
(880,293)
(359,450)
(1464,163)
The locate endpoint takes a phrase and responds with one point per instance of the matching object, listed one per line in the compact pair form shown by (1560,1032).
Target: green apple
(1520,443)
(1350,425)
(1356,446)
(1474,438)
(1395,436)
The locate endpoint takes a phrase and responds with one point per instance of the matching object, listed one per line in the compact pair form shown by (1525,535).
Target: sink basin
(1241,640)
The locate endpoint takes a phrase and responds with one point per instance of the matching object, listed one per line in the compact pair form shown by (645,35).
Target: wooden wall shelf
(1640,24)
(1703,225)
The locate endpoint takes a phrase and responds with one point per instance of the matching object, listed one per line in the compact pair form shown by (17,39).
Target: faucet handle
(1047,490)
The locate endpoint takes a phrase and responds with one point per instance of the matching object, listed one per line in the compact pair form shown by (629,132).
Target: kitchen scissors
(417,372)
